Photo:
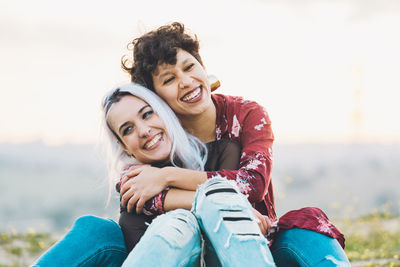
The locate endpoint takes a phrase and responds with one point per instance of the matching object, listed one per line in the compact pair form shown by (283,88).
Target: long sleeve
(249,124)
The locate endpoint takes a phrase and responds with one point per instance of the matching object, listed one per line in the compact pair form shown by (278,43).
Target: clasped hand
(139,184)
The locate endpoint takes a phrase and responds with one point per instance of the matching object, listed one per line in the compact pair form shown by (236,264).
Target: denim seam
(299,255)
(197,251)
(101,251)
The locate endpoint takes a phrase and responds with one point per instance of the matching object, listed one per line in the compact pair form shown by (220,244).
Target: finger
(261,226)
(140,205)
(124,179)
(137,165)
(135,172)
(126,196)
(132,202)
(127,186)
(264,224)
(268,222)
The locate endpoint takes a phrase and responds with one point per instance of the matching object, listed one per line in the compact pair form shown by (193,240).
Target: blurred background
(328,73)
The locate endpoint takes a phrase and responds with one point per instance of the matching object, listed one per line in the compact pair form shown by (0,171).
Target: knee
(219,185)
(219,193)
(178,227)
(315,249)
(91,222)
(96,227)
(181,217)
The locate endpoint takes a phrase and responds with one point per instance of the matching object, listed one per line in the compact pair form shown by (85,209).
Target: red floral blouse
(247,123)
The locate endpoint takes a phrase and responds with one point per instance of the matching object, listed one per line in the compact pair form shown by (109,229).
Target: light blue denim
(225,217)
(94,241)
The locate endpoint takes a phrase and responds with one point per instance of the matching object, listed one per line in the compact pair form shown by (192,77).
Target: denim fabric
(92,241)
(220,215)
(172,239)
(305,248)
(228,221)
(226,218)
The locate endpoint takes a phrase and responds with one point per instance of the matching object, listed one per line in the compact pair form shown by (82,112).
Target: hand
(143,183)
(263,221)
(130,173)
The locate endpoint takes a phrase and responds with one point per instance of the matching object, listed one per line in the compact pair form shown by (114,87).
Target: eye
(168,80)
(127,130)
(189,67)
(147,114)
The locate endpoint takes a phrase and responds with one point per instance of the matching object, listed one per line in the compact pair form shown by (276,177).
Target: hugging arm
(253,176)
(223,154)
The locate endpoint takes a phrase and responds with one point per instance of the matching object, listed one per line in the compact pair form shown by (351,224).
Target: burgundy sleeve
(252,126)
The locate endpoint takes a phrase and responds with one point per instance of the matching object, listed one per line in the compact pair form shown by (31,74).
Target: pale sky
(316,66)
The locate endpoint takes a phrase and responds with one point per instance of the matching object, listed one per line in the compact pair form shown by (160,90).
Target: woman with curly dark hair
(167,61)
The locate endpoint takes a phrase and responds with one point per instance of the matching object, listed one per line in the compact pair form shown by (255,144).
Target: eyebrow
(127,122)
(168,72)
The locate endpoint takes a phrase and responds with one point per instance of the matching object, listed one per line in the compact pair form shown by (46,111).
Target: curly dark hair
(158,47)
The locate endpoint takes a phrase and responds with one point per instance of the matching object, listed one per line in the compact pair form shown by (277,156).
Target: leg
(92,241)
(133,227)
(301,247)
(227,219)
(172,239)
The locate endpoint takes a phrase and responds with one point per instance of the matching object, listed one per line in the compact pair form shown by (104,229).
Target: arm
(253,176)
(223,153)
(250,125)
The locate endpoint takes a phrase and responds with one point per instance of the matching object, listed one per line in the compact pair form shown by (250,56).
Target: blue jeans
(226,219)
(305,248)
(94,241)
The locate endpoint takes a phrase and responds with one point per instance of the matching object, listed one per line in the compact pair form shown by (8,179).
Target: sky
(326,71)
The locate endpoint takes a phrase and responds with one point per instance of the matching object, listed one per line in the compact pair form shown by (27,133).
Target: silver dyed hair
(187,151)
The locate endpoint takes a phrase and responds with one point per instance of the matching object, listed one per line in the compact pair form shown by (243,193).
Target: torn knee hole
(236,219)
(182,220)
(248,234)
(220,190)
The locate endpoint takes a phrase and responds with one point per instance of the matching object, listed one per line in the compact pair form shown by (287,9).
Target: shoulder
(235,101)
(237,105)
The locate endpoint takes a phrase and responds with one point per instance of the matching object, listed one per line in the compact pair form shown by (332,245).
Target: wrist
(168,178)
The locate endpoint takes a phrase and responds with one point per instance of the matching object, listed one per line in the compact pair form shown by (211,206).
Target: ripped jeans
(95,241)
(222,216)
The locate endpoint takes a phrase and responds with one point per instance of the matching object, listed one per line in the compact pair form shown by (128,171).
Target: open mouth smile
(193,96)
(153,142)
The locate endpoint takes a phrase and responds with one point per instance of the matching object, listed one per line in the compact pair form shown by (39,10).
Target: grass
(22,249)
(372,240)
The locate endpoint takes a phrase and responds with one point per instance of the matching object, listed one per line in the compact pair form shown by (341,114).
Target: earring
(214,82)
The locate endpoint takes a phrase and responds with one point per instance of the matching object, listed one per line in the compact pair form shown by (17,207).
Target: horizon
(326,71)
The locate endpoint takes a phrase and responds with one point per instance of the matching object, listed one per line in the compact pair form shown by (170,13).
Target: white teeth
(192,95)
(153,141)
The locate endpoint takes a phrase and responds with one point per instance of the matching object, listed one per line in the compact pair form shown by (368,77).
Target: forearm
(179,199)
(184,178)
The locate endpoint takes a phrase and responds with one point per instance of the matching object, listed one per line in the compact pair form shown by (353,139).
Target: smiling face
(141,131)
(184,86)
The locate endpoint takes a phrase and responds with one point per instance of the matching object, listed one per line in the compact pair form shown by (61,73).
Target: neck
(203,125)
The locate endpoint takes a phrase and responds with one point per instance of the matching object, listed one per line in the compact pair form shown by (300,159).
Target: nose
(185,81)
(144,130)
